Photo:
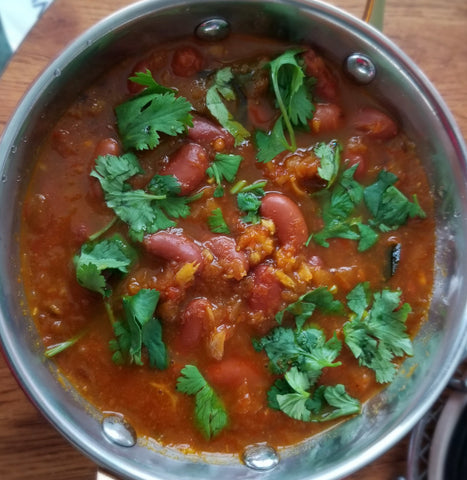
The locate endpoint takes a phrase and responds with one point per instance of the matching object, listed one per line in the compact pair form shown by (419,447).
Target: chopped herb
(53,350)
(300,356)
(98,260)
(388,205)
(377,333)
(222,89)
(295,396)
(304,307)
(146,80)
(329,155)
(139,329)
(307,349)
(272,143)
(155,110)
(225,166)
(217,223)
(210,413)
(144,212)
(249,201)
(293,100)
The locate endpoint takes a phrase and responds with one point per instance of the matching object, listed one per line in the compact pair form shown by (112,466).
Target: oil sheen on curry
(228,243)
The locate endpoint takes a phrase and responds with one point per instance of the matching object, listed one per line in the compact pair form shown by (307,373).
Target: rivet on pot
(213,29)
(361,68)
(260,457)
(118,431)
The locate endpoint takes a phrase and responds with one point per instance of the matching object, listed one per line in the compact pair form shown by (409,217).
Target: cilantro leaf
(210,413)
(388,205)
(292,97)
(97,260)
(112,172)
(306,349)
(329,155)
(377,334)
(249,201)
(222,89)
(225,166)
(155,110)
(140,329)
(331,402)
(340,203)
(295,396)
(304,307)
(173,204)
(146,80)
(217,223)
(287,78)
(144,212)
(272,143)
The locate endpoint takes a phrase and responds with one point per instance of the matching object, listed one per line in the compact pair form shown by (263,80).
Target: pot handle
(374,13)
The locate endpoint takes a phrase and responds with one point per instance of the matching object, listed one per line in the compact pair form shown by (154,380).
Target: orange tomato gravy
(64,205)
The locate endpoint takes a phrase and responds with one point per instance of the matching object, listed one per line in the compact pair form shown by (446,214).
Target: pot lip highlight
(59,414)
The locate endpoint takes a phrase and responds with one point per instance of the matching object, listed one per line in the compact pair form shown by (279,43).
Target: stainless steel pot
(398,84)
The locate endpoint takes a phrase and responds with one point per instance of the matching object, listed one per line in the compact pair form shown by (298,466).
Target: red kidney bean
(63,143)
(173,246)
(234,262)
(38,212)
(188,165)
(326,87)
(192,321)
(291,228)
(327,117)
(207,133)
(233,372)
(261,113)
(187,61)
(374,124)
(266,291)
(354,153)
(107,146)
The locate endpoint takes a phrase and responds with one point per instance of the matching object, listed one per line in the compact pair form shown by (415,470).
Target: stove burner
(438,444)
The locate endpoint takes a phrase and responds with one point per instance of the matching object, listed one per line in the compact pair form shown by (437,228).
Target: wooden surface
(432,32)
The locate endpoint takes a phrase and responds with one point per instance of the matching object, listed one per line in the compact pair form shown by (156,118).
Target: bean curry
(228,248)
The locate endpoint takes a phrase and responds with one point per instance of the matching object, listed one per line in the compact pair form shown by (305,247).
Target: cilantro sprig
(389,206)
(295,397)
(155,110)
(376,333)
(97,261)
(388,209)
(210,414)
(329,156)
(300,356)
(303,308)
(224,167)
(307,349)
(293,100)
(249,201)
(221,89)
(139,328)
(143,211)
